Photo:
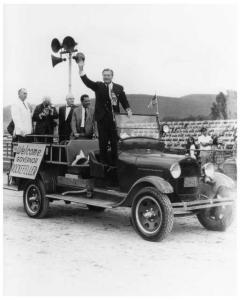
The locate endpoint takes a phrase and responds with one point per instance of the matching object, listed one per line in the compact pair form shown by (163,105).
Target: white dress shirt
(68,108)
(112,95)
(22,118)
(83,117)
(205,140)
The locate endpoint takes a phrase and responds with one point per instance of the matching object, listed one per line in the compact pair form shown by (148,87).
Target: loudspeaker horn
(56,45)
(56,60)
(69,44)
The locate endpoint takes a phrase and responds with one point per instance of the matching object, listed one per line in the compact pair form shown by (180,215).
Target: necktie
(24,105)
(85,116)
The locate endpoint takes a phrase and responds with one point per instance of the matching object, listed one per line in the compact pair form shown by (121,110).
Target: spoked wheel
(216,218)
(152,214)
(34,201)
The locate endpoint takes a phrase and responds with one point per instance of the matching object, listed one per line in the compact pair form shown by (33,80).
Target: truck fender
(159,183)
(49,179)
(220,183)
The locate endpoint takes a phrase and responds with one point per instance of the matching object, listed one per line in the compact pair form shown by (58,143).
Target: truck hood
(156,160)
(153,159)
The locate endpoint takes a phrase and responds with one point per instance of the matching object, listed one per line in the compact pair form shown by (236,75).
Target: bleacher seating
(6,149)
(180,131)
(178,134)
(225,129)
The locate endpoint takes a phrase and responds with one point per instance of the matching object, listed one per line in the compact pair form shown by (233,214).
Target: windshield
(137,125)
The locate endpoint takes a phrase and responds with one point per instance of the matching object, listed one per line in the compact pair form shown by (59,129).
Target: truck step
(110,192)
(82,199)
(10,187)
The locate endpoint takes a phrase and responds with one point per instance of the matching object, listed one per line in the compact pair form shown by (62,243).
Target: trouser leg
(103,140)
(205,157)
(114,143)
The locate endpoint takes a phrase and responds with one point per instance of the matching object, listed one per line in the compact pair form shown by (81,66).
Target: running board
(10,187)
(110,192)
(84,200)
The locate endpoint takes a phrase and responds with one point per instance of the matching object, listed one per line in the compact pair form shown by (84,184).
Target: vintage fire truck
(155,184)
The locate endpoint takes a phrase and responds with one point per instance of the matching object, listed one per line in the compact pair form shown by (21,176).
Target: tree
(219,108)
(215,114)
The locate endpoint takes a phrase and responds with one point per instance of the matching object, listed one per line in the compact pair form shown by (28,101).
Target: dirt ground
(77,252)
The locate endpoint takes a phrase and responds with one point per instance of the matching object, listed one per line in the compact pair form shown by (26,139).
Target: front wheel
(216,218)
(34,201)
(152,214)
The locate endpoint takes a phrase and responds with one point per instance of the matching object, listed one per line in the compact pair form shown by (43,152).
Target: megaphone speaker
(55,45)
(69,44)
(56,60)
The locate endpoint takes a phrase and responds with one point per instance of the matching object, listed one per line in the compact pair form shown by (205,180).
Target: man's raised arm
(89,83)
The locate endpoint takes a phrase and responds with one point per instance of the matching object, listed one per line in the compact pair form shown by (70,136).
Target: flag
(153,101)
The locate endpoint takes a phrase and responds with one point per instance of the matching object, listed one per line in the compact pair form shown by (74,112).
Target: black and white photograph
(120,149)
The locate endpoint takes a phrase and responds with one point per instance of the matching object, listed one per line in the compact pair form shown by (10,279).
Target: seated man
(82,123)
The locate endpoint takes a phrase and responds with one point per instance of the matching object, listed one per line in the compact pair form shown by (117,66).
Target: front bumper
(196,205)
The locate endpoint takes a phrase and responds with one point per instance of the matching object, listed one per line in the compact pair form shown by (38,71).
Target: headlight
(208,170)
(175,170)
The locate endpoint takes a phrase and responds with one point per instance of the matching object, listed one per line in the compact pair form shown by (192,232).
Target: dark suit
(88,129)
(104,115)
(44,124)
(64,127)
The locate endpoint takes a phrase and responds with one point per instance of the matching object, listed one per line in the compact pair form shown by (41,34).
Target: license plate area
(190,182)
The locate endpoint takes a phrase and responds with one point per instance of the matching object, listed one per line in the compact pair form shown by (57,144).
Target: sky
(173,50)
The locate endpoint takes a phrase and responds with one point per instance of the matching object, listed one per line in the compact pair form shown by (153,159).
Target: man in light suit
(82,123)
(65,117)
(21,112)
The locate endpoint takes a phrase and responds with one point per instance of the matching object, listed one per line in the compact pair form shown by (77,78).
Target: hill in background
(174,108)
(169,107)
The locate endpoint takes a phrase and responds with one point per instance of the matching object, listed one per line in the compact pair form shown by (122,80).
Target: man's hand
(129,112)
(81,65)
(22,133)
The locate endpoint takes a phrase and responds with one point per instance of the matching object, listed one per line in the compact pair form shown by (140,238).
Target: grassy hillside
(173,107)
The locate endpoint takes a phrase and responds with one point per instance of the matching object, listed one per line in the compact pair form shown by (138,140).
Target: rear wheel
(35,203)
(152,214)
